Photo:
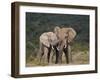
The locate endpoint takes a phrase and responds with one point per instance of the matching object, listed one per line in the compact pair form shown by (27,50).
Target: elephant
(59,40)
(48,41)
(65,36)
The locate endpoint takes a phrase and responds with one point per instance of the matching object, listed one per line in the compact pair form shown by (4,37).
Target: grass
(80,55)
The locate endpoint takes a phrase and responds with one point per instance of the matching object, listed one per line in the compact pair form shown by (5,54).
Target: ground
(77,58)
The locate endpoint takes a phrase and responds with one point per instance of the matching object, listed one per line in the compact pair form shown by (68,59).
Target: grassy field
(80,55)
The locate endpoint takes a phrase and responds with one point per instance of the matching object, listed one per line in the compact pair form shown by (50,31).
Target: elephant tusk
(65,46)
(58,49)
(52,47)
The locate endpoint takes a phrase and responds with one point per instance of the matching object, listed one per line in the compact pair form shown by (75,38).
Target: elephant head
(65,37)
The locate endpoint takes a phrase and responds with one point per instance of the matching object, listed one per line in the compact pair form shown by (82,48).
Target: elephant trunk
(60,51)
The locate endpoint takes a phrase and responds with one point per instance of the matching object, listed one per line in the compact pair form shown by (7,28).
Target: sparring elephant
(48,41)
(65,36)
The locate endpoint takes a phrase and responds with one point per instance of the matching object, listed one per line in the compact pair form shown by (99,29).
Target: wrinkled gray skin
(48,40)
(65,37)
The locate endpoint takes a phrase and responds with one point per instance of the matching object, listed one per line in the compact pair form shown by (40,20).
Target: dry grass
(77,58)
(80,55)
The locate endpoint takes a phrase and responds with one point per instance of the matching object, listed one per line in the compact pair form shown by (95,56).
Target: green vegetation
(38,23)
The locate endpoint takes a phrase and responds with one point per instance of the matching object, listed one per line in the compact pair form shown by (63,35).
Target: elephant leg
(46,50)
(56,52)
(49,56)
(60,57)
(41,56)
(41,53)
(57,56)
(68,55)
(53,56)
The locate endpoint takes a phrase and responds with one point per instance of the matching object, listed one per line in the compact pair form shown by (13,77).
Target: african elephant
(48,40)
(65,37)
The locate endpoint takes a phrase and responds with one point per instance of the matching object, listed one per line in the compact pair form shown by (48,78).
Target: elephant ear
(71,34)
(56,30)
(44,40)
